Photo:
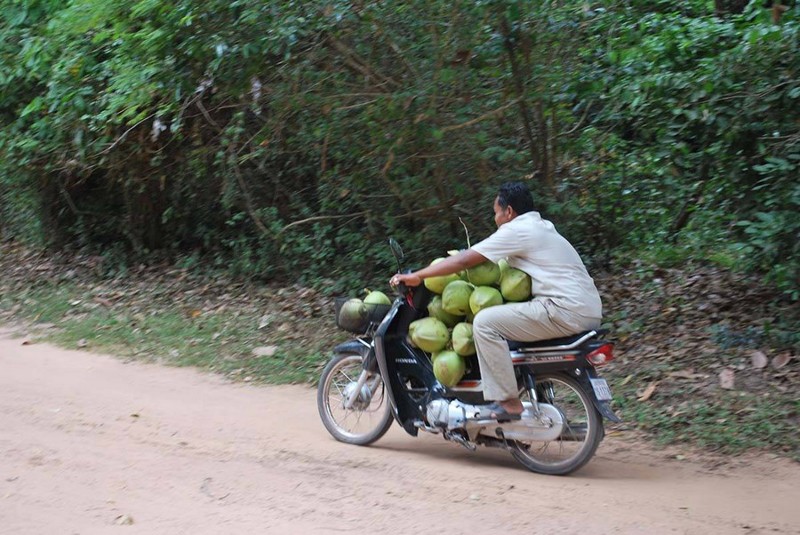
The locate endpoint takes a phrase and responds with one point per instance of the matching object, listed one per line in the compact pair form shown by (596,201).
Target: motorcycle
(380,377)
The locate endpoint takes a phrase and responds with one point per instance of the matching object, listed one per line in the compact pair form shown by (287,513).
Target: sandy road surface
(90,444)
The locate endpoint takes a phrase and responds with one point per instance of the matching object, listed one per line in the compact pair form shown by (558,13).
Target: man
(565,299)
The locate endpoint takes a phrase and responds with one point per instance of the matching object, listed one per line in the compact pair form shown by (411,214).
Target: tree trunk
(519,87)
(688,206)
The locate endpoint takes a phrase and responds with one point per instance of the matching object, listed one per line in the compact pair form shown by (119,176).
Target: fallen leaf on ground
(686,374)
(759,359)
(726,379)
(781,360)
(648,392)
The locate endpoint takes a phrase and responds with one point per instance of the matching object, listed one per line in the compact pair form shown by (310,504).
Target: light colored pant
(538,319)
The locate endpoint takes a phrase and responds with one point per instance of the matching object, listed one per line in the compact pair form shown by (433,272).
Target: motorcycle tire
(343,370)
(581,421)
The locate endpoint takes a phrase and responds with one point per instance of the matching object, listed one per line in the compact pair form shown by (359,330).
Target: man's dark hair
(517,196)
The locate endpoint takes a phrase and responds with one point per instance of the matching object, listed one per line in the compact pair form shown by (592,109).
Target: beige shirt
(532,244)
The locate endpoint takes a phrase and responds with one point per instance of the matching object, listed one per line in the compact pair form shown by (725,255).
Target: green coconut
(484,274)
(484,297)
(437,284)
(435,310)
(412,327)
(463,344)
(377,298)
(352,314)
(455,298)
(503,265)
(429,334)
(516,285)
(449,368)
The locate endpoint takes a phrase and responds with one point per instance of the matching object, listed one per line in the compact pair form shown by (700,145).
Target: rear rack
(572,345)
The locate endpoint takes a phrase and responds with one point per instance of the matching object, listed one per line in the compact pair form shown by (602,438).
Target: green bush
(290,139)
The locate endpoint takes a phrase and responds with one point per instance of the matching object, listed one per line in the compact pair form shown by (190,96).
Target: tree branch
(355,62)
(412,213)
(124,135)
(487,115)
(248,201)
(579,123)
(320,218)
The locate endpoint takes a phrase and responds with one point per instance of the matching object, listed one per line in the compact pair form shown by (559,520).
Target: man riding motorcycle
(566,300)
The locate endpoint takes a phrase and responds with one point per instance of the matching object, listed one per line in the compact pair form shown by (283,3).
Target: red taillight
(601,355)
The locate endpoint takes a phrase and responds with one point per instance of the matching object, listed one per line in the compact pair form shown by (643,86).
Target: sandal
(495,411)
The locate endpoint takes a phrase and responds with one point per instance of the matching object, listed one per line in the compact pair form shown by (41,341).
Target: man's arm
(452,264)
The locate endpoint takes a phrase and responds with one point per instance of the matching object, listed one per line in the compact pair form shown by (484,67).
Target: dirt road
(90,444)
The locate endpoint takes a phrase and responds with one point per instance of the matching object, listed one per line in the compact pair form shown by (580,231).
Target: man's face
(502,215)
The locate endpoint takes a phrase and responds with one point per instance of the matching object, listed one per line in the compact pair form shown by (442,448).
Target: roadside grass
(218,341)
(727,422)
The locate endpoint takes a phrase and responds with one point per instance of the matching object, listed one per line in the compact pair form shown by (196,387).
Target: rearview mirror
(397,251)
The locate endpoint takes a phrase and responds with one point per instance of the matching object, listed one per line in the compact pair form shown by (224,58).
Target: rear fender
(603,407)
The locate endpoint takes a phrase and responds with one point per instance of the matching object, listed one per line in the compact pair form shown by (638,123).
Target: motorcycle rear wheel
(364,423)
(582,434)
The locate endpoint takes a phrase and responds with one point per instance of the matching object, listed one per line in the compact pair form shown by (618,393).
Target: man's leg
(491,328)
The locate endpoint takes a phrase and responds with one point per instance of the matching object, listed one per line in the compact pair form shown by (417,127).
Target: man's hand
(409,280)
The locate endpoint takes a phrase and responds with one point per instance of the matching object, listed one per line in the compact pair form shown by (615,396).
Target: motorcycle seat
(556,343)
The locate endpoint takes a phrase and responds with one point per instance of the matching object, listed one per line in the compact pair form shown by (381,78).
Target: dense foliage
(293,137)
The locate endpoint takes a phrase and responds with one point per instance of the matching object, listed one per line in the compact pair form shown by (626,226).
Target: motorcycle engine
(544,426)
(446,414)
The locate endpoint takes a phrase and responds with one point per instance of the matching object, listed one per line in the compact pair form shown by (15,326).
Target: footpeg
(458,439)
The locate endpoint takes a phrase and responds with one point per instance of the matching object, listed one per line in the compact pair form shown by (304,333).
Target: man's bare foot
(512,406)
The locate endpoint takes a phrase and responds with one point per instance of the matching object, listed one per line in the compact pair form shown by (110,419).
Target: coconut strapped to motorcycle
(356,316)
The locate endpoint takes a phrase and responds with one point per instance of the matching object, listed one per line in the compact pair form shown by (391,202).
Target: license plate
(601,389)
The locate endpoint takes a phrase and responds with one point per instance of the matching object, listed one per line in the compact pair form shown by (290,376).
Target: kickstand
(502,436)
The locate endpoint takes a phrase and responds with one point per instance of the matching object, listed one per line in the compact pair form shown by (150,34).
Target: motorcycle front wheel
(582,432)
(370,416)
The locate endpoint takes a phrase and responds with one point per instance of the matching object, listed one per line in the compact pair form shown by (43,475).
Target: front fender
(359,347)
(352,346)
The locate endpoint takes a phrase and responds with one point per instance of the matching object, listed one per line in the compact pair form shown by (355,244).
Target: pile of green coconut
(446,334)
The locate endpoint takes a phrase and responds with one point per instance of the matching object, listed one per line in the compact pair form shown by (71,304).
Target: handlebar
(401,288)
